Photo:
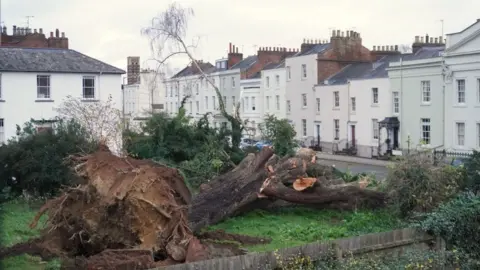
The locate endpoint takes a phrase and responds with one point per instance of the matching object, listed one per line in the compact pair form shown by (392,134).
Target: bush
(472,169)
(415,185)
(34,162)
(457,222)
(281,133)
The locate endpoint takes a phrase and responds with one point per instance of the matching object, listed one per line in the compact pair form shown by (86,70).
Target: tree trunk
(263,178)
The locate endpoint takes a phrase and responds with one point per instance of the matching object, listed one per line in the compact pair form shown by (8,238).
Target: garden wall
(392,242)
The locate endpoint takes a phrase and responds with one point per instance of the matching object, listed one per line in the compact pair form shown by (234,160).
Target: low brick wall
(391,242)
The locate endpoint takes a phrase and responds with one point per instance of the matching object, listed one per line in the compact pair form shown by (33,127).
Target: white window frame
(197,106)
(375,129)
(460,91)
(304,127)
(224,83)
(233,101)
(424,123)
(396,102)
(267,100)
(289,106)
(277,80)
(267,82)
(304,71)
(460,134)
(206,103)
(317,100)
(336,129)
(233,82)
(304,100)
(353,104)
(214,102)
(253,104)
(336,99)
(375,96)
(225,101)
(197,89)
(191,107)
(426,92)
(277,102)
(289,73)
(88,87)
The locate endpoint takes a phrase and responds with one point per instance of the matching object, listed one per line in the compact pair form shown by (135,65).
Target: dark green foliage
(34,162)
(472,168)
(281,133)
(457,221)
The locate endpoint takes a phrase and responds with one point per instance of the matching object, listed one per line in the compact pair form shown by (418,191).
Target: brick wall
(26,38)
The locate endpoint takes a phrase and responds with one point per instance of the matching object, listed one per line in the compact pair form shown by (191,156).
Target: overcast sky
(111,30)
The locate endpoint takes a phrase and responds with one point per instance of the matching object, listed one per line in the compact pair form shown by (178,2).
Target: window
(166,92)
(247,102)
(88,87)
(171,91)
(224,100)
(197,106)
(233,101)
(268,102)
(2,131)
(461,91)
(214,101)
(224,83)
(176,106)
(396,102)
(336,126)
(289,73)
(206,103)
(375,129)
(277,102)
(267,82)
(191,107)
(304,100)
(197,88)
(426,91)
(460,134)
(289,107)
(478,134)
(253,103)
(425,130)
(233,81)
(277,80)
(336,99)
(318,105)
(304,71)
(374,95)
(353,102)
(304,127)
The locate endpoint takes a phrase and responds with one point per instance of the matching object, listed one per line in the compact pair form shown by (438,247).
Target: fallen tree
(263,178)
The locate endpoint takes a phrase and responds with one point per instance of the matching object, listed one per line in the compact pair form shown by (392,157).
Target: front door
(395,137)
(317,126)
(352,127)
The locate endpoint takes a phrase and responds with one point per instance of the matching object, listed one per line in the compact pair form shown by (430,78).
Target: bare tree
(101,119)
(167,34)
(405,48)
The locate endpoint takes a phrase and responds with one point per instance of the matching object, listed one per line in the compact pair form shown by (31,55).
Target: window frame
(317,102)
(336,99)
(459,124)
(277,102)
(457,92)
(353,104)
(375,129)
(336,129)
(304,71)
(84,87)
(304,127)
(396,102)
(47,87)
(425,123)
(375,96)
(426,91)
(304,101)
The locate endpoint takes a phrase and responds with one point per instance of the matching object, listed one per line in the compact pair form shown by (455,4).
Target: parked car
(458,161)
(261,144)
(246,142)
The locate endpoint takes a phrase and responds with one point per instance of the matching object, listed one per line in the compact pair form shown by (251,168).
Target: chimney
(40,31)
(417,39)
(427,39)
(51,34)
(35,31)
(229,47)
(440,41)
(436,41)
(14,33)
(233,56)
(57,33)
(4,30)
(383,51)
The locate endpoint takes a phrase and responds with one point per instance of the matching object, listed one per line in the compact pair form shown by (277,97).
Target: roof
(425,53)
(54,60)
(319,48)
(275,65)
(379,68)
(245,63)
(193,70)
(351,71)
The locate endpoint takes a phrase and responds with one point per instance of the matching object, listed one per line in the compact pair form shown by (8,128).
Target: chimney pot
(230,47)
(421,39)
(57,33)
(374,48)
(338,33)
(392,48)
(396,48)
(51,34)
(427,39)
(333,33)
(341,34)
(35,31)
(304,40)
(436,40)
(417,39)
(63,34)
(383,48)
(40,30)
(236,49)
(431,40)
(14,30)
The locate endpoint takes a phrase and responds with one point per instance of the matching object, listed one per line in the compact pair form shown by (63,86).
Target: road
(379,171)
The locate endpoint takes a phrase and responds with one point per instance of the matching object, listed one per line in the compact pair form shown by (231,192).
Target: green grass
(298,226)
(15,217)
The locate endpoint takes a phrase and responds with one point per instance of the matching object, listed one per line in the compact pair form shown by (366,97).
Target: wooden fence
(392,242)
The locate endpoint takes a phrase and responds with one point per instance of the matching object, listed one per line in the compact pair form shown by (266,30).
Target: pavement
(355,164)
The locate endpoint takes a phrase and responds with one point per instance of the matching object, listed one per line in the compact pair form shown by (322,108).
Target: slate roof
(425,53)
(319,48)
(245,63)
(192,70)
(275,65)
(15,59)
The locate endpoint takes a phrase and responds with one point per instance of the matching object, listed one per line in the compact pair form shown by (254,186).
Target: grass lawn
(15,216)
(298,226)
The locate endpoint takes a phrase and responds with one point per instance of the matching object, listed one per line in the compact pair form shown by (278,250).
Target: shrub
(281,133)
(457,222)
(415,185)
(34,162)
(472,169)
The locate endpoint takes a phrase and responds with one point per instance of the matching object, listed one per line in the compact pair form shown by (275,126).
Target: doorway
(352,129)
(317,129)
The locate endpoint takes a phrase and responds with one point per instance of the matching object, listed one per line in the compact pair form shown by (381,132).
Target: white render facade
(274,91)
(27,93)
(140,98)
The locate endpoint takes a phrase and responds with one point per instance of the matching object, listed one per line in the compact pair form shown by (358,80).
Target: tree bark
(262,179)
